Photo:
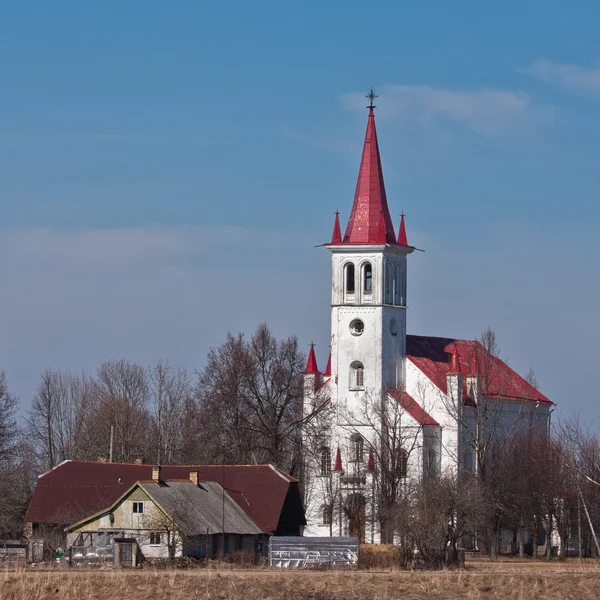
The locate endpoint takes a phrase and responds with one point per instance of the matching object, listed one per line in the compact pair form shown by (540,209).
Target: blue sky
(166,170)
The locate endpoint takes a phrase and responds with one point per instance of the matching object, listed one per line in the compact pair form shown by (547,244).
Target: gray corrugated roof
(200,508)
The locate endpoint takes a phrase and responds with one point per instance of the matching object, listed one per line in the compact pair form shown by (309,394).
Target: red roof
(76,489)
(370,221)
(413,408)
(432,355)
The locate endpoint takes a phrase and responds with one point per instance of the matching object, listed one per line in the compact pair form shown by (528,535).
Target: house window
(326,514)
(368,278)
(138,507)
(401,462)
(325,461)
(349,278)
(358,447)
(398,286)
(357,376)
(154,538)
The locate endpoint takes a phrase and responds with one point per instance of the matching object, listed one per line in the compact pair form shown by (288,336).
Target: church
(390,407)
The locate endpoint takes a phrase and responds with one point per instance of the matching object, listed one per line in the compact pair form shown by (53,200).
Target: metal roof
(413,408)
(370,221)
(200,509)
(433,356)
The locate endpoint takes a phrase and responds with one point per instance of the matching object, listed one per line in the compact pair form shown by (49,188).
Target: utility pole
(110,451)
(223,498)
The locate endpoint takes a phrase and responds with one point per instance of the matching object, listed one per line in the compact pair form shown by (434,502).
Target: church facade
(390,407)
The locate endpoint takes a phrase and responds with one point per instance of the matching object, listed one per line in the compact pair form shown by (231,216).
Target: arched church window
(357,447)
(357,375)
(368,278)
(401,462)
(325,461)
(349,278)
(389,283)
(326,514)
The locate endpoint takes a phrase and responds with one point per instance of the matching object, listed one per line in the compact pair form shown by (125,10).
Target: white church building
(387,401)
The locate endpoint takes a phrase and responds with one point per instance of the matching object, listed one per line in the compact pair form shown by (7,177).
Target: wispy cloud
(489,112)
(574,78)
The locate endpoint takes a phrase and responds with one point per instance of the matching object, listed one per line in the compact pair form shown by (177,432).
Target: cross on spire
(371,96)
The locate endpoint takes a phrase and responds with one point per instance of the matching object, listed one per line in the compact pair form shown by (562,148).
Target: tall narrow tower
(368,346)
(368,287)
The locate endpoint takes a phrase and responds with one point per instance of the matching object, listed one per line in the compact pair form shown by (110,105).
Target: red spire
(328,367)
(337,468)
(454,362)
(370,221)
(311,364)
(371,464)
(336,238)
(402,239)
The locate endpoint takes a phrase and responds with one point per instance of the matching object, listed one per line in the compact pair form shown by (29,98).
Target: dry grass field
(506,580)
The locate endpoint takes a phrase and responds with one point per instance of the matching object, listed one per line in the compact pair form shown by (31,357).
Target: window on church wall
(325,461)
(432,462)
(357,376)
(326,514)
(389,283)
(392,376)
(468,461)
(401,462)
(398,286)
(357,448)
(349,278)
(368,278)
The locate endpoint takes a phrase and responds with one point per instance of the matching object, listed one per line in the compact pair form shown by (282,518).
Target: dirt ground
(512,580)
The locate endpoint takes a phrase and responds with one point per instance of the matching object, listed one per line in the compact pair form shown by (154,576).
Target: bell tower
(368,346)
(368,287)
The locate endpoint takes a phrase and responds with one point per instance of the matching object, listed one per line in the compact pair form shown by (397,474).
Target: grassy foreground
(512,580)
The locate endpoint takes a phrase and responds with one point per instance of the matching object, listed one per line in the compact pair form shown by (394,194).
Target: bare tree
(15,475)
(250,393)
(170,391)
(121,392)
(59,417)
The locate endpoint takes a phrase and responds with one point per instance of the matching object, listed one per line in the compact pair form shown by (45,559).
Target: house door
(126,555)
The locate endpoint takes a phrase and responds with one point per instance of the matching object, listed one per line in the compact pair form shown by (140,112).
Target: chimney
(156,473)
(194,477)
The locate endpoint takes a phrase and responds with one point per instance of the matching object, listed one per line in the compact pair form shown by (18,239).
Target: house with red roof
(241,505)
(408,404)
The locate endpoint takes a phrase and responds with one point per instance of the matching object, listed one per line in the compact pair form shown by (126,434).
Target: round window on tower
(357,327)
(394,327)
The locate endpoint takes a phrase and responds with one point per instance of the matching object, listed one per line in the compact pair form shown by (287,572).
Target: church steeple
(370,221)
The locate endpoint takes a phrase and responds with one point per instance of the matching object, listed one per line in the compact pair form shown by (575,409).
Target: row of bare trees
(244,406)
